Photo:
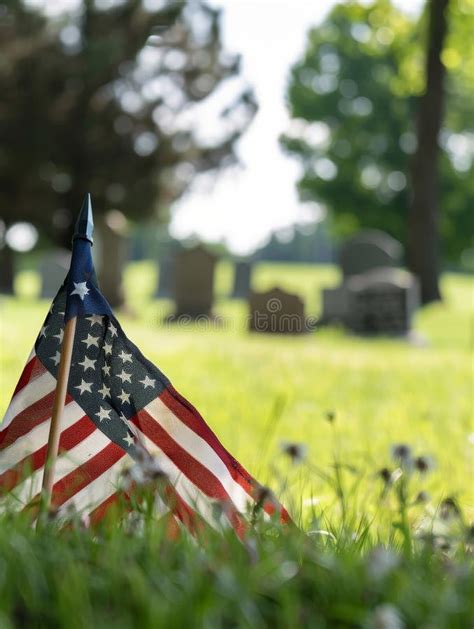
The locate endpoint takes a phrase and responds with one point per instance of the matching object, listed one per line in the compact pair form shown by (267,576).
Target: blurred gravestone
(382,301)
(113,255)
(194,282)
(166,279)
(53,269)
(277,312)
(7,269)
(374,297)
(242,280)
(369,249)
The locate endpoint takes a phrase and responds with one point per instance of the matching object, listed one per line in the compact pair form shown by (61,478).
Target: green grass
(256,392)
(123,577)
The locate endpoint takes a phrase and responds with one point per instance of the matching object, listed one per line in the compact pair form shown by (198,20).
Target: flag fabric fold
(119,407)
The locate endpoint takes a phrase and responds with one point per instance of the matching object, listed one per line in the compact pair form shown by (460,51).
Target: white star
(148,382)
(84,386)
(125,357)
(123,418)
(107,349)
(106,370)
(105,392)
(125,377)
(129,439)
(103,413)
(95,319)
(43,331)
(113,329)
(91,340)
(59,336)
(124,397)
(87,363)
(80,288)
(56,358)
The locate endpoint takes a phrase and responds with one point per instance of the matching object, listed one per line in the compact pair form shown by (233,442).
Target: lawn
(348,400)
(258,391)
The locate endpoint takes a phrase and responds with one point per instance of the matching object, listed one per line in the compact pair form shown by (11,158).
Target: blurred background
(266,129)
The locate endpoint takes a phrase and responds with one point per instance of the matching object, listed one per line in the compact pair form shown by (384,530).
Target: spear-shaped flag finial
(85,222)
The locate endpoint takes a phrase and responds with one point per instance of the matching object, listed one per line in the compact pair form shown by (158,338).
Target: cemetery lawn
(257,391)
(348,400)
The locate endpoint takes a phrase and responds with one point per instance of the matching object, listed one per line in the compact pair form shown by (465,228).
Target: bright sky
(244,207)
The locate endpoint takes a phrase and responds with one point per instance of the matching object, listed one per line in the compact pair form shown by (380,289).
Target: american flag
(119,407)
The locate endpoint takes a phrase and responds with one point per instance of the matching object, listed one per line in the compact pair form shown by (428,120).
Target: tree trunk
(423,237)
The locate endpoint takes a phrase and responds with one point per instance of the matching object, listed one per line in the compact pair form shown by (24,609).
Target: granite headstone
(242,280)
(194,282)
(369,249)
(166,269)
(375,295)
(53,268)
(277,312)
(382,301)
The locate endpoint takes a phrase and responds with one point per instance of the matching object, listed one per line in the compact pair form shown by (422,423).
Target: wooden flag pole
(58,407)
(84,231)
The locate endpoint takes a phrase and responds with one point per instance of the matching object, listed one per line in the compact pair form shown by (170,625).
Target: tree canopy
(353,99)
(106,98)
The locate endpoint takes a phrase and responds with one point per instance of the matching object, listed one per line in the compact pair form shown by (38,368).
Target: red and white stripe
(199,467)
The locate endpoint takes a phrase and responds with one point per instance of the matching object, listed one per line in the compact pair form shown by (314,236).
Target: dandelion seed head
(295,451)
(402,454)
(449,509)
(330,416)
(422,498)
(385,474)
(401,451)
(423,464)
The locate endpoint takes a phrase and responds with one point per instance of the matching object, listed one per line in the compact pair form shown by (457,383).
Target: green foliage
(353,97)
(132,578)
(104,99)
(130,574)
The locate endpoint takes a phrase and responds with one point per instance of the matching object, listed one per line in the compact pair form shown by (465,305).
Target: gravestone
(112,247)
(166,279)
(382,301)
(369,249)
(277,312)
(375,295)
(242,280)
(53,268)
(7,269)
(194,282)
